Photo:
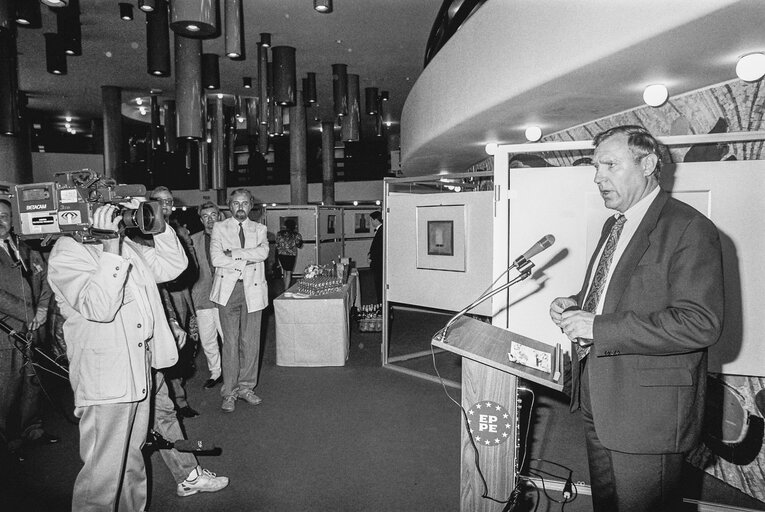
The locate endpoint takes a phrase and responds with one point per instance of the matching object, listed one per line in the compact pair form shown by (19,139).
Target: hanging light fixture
(263,85)
(751,67)
(371,100)
(55,58)
(210,71)
(194,18)
(147,5)
(265,39)
(340,89)
(69,28)
(533,133)
(247,82)
(28,14)
(655,95)
(55,3)
(126,11)
(309,91)
(285,81)
(322,6)
(350,124)
(188,87)
(234,30)
(168,113)
(158,40)
(10,99)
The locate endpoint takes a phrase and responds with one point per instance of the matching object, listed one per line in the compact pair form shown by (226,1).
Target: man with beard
(238,248)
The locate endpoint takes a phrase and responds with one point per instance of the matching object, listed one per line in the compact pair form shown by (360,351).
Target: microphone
(544,243)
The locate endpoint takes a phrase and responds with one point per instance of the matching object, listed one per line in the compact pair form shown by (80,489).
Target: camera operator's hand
(133,202)
(107,218)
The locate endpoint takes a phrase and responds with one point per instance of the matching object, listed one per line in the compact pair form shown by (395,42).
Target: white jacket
(113,310)
(243,263)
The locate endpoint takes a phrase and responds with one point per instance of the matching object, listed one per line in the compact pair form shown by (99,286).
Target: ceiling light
(491,148)
(139,101)
(194,18)
(247,82)
(192,28)
(142,110)
(55,3)
(377,202)
(126,11)
(655,95)
(385,95)
(355,203)
(68,119)
(265,39)
(322,6)
(147,5)
(55,58)
(751,67)
(68,125)
(28,14)
(533,133)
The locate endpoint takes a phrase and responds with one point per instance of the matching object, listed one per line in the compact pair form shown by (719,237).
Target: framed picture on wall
(283,222)
(361,223)
(441,237)
(330,224)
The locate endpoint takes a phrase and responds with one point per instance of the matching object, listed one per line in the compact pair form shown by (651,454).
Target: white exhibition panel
(357,249)
(407,240)
(564,202)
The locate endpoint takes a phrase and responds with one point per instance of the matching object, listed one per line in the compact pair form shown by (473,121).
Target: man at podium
(650,305)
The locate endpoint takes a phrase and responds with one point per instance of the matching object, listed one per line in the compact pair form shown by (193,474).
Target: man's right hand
(558,306)
(106,218)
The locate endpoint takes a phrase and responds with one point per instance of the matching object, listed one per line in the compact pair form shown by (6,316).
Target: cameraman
(116,332)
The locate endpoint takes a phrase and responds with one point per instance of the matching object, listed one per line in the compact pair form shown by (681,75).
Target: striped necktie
(601,273)
(241,235)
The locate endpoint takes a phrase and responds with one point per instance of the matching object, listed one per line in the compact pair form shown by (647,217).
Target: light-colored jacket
(243,263)
(113,311)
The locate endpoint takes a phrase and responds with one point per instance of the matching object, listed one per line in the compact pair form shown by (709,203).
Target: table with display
(314,330)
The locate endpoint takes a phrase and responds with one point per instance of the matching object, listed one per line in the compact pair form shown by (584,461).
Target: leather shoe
(211,383)
(187,412)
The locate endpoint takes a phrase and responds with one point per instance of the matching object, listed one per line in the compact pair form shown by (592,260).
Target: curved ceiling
(557,64)
(383,41)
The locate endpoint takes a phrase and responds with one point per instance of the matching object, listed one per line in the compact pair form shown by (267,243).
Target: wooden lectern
(489,378)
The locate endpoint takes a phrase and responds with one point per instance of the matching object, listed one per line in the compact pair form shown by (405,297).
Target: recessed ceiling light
(655,95)
(751,67)
(533,133)
(68,119)
(139,101)
(147,5)
(192,28)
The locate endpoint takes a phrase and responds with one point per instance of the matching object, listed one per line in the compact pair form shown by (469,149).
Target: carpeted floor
(351,438)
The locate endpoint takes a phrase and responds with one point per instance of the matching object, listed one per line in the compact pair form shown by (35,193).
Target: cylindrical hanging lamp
(340,88)
(194,18)
(158,40)
(285,81)
(247,82)
(210,71)
(55,3)
(328,162)
(371,100)
(55,58)
(69,28)
(218,142)
(351,124)
(263,84)
(265,39)
(147,5)
(126,11)
(168,112)
(28,14)
(234,29)
(309,91)
(188,87)
(322,6)
(156,125)
(10,123)
(251,106)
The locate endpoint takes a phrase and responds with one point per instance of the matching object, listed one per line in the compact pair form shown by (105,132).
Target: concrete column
(328,162)
(111,100)
(298,150)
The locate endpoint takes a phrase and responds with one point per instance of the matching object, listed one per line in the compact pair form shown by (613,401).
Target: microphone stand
(522,265)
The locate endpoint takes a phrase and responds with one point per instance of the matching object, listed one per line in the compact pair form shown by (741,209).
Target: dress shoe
(211,383)
(187,412)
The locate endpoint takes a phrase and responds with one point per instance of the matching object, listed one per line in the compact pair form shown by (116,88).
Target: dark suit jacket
(376,249)
(663,308)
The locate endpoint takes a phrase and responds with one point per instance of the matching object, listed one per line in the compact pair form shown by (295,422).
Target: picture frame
(283,220)
(331,224)
(360,223)
(441,237)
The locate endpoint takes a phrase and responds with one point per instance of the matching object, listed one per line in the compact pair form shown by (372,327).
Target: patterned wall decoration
(736,456)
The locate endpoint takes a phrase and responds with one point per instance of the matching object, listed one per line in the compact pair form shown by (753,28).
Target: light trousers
(241,344)
(208,321)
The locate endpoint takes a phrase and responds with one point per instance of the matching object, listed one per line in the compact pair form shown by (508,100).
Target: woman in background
(288,241)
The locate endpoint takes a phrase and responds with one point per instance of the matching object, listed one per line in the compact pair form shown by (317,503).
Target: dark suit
(376,261)
(21,293)
(663,307)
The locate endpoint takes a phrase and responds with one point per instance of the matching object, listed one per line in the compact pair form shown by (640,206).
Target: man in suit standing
(650,305)
(24,299)
(238,248)
(206,310)
(376,254)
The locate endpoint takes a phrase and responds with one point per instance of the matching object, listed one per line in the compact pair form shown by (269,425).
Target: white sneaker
(201,480)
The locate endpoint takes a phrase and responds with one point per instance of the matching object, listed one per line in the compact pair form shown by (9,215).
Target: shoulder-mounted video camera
(65,207)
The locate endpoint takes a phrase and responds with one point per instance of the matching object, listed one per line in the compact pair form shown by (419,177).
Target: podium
(490,401)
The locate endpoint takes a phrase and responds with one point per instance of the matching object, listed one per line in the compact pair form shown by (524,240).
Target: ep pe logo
(490,423)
